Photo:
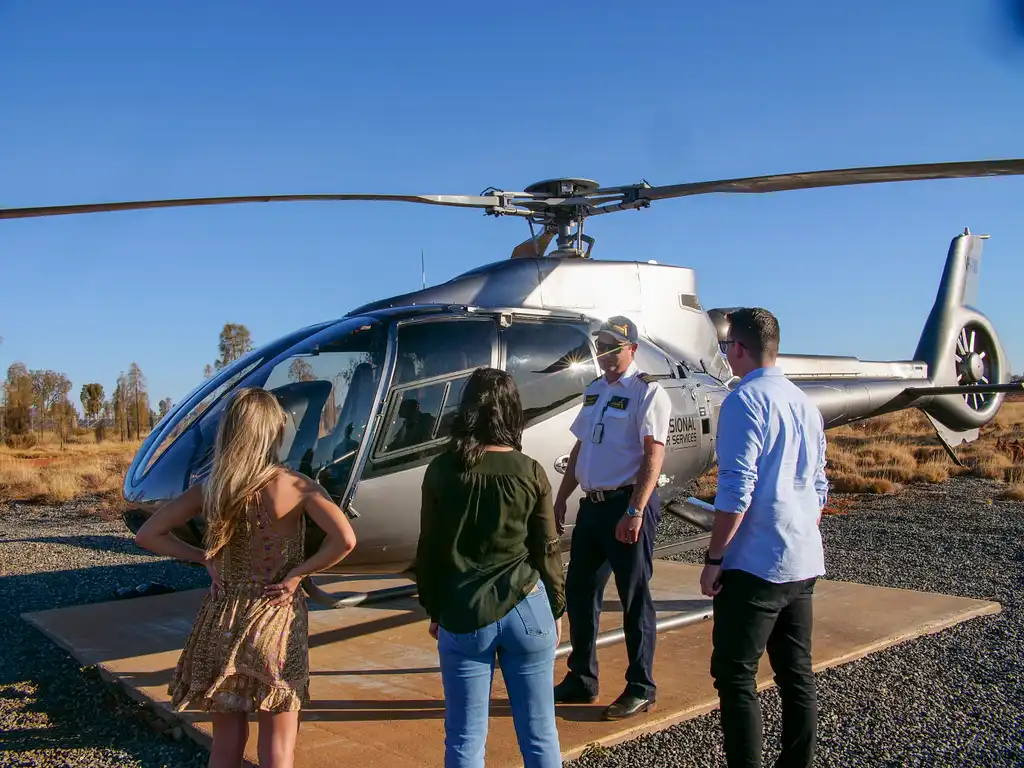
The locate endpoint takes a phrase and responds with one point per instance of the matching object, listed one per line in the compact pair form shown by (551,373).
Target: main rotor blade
(837,178)
(467,201)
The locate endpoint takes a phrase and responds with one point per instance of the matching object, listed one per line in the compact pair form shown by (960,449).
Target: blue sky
(122,100)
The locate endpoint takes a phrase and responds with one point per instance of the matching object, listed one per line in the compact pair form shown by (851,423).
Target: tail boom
(959,374)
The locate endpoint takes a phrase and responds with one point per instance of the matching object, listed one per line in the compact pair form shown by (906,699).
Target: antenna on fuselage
(423,269)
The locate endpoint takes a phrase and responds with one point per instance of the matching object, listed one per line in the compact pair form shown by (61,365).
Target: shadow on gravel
(93,584)
(102,543)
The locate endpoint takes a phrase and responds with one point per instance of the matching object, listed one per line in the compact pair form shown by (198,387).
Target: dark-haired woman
(489,571)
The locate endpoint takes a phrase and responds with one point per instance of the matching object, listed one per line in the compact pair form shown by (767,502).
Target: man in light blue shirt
(765,553)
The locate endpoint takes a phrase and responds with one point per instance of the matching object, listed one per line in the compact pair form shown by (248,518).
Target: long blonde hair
(244,461)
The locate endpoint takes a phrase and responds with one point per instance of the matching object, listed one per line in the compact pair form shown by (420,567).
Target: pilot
(416,425)
(620,442)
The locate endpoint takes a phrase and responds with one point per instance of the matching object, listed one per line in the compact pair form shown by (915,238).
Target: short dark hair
(490,413)
(757,330)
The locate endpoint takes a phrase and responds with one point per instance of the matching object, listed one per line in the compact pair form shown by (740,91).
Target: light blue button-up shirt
(771,468)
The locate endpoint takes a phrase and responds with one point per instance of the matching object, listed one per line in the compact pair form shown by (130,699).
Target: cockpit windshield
(327,386)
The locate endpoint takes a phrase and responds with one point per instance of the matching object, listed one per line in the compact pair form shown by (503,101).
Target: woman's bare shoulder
(292,486)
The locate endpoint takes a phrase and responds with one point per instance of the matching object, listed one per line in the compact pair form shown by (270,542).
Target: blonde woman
(248,650)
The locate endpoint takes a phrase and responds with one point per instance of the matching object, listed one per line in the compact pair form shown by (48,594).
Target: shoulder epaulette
(593,380)
(646,378)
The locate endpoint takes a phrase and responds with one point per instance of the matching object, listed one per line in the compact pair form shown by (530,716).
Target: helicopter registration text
(682,432)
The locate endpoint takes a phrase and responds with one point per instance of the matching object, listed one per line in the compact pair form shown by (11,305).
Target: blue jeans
(523,642)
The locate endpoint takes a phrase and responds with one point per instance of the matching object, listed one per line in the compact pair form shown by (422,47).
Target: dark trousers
(595,554)
(752,615)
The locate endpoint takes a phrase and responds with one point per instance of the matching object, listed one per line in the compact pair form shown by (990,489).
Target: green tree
(165,406)
(18,396)
(63,414)
(235,341)
(119,405)
(48,388)
(138,399)
(92,400)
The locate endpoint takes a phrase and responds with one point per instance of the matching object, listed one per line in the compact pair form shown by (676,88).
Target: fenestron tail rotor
(975,359)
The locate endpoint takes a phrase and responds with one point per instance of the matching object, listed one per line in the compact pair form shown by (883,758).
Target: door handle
(561,463)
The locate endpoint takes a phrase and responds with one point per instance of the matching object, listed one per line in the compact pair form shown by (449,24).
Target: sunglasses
(724,345)
(609,349)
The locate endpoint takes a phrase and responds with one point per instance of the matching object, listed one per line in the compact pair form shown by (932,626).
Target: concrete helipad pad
(376,688)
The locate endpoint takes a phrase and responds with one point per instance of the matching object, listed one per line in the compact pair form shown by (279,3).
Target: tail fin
(961,349)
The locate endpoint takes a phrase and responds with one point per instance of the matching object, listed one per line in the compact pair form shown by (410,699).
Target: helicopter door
(434,357)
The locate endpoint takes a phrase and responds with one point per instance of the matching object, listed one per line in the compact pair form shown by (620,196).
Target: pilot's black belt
(599,496)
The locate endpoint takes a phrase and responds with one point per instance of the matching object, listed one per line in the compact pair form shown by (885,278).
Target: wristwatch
(634,512)
(708,560)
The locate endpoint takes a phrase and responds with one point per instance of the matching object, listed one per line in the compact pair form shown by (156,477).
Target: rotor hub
(563,187)
(973,368)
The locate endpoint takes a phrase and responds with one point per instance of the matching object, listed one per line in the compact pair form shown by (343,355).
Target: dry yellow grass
(883,454)
(879,455)
(45,473)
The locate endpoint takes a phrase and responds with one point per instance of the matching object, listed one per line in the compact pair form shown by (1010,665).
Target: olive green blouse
(486,536)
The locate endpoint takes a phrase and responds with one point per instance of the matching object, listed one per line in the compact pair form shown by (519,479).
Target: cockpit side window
(434,360)
(437,348)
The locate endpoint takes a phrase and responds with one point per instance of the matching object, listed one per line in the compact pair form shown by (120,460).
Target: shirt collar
(757,373)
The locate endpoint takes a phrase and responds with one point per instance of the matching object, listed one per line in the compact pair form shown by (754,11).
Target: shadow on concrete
(365,628)
(411,671)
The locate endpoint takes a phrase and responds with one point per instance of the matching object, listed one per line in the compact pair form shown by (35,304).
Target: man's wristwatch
(634,512)
(708,560)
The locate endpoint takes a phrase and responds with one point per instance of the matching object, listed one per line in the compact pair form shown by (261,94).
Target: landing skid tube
(352,599)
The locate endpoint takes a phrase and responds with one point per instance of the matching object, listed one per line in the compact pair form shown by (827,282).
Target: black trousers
(594,555)
(752,615)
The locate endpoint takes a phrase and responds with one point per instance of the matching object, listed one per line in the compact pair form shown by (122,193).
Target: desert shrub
(1014,475)
(20,442)
(931,472)
(929,453)
(894,474)
(853,483)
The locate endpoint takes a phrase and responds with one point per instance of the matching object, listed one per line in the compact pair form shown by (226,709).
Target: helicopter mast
(563,218)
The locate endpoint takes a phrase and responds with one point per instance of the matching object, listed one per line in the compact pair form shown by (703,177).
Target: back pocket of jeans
(535,623)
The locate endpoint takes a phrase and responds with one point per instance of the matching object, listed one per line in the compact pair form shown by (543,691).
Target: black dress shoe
(571,691)
(628,705)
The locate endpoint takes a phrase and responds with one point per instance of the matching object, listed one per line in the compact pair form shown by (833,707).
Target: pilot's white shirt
(631,409)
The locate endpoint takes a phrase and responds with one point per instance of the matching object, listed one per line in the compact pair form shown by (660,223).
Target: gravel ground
(955,698)
(52,712)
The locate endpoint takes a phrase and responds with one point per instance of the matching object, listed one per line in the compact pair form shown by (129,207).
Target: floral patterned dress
(243,653)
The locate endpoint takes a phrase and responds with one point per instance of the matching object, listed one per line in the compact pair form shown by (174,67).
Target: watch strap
(708,560)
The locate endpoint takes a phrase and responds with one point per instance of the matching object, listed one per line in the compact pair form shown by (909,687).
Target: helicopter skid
(351,599)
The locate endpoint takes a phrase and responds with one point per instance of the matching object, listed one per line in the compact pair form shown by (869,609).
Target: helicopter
(371,395)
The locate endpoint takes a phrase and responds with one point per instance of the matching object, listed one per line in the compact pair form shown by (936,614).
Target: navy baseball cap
(622,328)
